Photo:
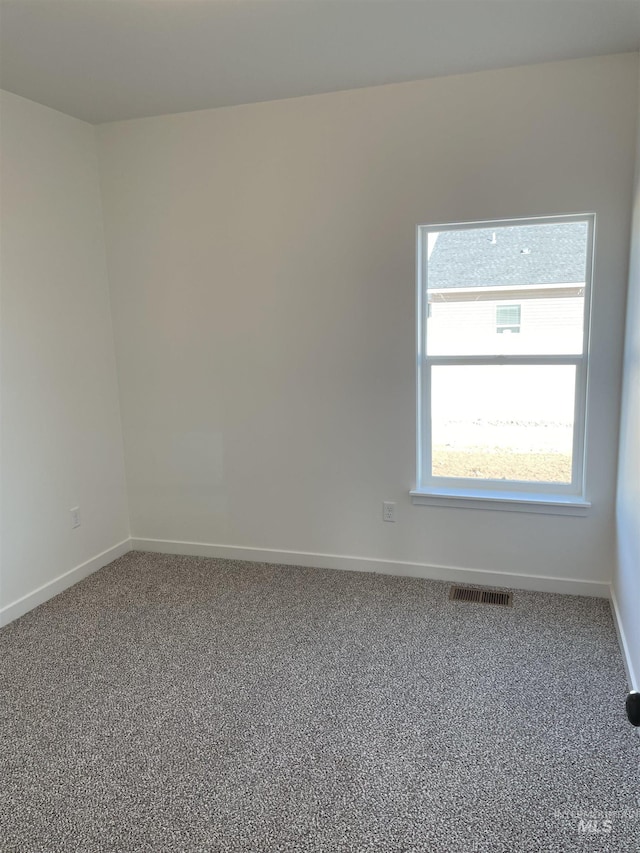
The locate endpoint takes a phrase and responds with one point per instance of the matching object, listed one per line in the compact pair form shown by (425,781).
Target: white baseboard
(536,583)
(633,679)
(57,585)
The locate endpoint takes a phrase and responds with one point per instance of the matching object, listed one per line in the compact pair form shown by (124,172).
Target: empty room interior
(320,426)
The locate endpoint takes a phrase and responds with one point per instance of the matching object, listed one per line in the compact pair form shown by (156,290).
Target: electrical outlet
(75,516)
(388,511)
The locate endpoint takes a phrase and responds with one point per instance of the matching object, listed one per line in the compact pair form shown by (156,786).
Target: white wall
(61,434)
(626,582)
(262,274)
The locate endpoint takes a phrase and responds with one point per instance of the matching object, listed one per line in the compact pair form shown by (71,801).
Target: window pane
(516,289)
(507,422)
(508,315)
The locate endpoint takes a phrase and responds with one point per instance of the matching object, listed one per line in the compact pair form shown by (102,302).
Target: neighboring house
(486,286)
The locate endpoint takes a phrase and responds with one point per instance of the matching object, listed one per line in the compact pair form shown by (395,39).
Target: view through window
(503,353)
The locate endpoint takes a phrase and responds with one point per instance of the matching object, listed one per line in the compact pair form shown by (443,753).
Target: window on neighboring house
(501,406)
(507,319)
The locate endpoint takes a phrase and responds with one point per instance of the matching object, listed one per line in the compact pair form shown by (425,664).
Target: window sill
(502,501)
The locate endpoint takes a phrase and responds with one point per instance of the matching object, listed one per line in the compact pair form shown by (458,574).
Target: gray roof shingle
(550,253)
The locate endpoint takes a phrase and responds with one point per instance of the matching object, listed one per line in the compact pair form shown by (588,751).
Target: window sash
(508,316)
(425,479)
(577,460)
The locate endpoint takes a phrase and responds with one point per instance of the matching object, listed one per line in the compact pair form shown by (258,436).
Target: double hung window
(502,350)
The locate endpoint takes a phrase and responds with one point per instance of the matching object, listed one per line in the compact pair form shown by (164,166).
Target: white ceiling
(102,60)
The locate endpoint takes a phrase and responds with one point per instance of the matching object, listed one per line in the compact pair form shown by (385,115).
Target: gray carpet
(183,705)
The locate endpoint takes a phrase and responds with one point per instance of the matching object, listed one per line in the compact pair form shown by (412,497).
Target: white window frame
(553,498)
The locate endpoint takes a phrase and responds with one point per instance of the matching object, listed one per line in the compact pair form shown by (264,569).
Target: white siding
(547,326)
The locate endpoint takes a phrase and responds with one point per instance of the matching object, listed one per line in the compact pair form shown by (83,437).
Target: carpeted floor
(184,705)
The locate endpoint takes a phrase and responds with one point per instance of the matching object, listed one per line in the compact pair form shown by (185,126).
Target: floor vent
(481,596)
